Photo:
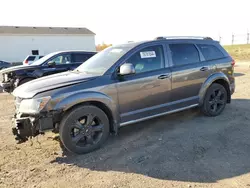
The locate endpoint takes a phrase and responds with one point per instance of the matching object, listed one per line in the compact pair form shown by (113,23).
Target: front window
(43,59)
(62,59)
(148,59)
(102,61)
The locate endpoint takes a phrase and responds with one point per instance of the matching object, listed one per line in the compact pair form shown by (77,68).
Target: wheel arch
(219,78)
(99,100)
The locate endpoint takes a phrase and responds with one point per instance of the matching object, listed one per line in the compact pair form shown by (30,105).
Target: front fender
(78,98)
(208,83)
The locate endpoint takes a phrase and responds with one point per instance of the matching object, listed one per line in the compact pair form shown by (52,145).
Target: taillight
(233,62)
(26,61)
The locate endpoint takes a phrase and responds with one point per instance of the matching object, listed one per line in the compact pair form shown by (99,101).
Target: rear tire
(215,100)
(84,129)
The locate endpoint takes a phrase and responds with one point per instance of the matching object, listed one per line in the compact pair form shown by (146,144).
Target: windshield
(102,61)
(43,59)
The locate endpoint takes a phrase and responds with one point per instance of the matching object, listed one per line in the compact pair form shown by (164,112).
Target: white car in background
(31,59)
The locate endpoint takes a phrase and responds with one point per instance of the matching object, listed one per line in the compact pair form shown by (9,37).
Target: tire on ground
(71,116)
(205,108)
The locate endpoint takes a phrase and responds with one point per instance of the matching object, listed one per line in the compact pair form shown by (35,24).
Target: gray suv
(122,85)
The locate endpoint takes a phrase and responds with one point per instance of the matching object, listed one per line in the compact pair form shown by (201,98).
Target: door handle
(204,69)
(164,76)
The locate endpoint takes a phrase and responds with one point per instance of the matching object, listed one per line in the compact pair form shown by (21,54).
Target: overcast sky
(117,21)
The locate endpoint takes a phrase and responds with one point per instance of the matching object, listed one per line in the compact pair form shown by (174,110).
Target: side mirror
(51,63)
(126,69)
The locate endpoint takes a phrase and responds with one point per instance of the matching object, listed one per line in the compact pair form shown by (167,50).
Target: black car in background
(52,63)
(4,65)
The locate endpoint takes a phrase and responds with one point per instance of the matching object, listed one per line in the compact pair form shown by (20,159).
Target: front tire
(215,100)
(84,129)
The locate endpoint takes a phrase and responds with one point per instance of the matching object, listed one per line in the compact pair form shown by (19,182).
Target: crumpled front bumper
(7,86)
(28,127)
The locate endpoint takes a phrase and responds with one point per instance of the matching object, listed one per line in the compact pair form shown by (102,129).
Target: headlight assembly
(33,105)
(6,77)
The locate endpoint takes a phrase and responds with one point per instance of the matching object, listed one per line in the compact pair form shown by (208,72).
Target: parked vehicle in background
(31,59)
(50,64)
(122,85)
(4,65)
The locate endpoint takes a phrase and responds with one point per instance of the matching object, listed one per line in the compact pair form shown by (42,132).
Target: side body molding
(208,83)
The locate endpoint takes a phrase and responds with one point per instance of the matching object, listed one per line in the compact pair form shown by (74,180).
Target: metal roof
(45,30)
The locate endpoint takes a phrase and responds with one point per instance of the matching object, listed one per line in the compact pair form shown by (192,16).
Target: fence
(236,39)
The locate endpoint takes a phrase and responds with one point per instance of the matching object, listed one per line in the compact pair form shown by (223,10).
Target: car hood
(30,89)
(19,67)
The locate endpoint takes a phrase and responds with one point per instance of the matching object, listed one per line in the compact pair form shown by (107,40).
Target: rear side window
(210,52)
(31,58)
(183,54)
(80,58)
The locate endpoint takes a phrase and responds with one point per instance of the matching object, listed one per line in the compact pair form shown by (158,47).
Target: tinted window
(184,54)
(147,59)
(35,52)
(62,59)
(41,57)
(31,58)
(210,51)
(79,58)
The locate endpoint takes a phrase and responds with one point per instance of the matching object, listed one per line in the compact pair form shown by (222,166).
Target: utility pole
(247,37)
(232,39)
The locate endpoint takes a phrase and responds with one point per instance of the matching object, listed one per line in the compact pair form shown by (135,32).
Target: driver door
(62,64)
(147,92)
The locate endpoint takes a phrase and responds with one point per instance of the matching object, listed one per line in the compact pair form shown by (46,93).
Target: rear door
(189,71)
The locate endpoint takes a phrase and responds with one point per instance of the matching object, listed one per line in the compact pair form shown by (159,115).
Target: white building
(18,42)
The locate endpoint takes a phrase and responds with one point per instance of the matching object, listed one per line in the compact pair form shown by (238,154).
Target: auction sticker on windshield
(148,54)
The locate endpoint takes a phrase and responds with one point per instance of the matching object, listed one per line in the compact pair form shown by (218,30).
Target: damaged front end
(29,127)
(33,117)
(8,82)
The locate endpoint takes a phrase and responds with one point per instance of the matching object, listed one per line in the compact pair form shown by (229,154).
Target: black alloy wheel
(215,100)
(84,129)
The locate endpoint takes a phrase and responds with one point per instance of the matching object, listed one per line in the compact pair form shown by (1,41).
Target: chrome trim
(157,115)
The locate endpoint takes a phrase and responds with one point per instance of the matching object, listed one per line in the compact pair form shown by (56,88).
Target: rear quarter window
(210,52)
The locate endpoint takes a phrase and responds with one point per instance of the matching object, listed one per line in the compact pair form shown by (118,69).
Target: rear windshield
(210,52)
(31,58)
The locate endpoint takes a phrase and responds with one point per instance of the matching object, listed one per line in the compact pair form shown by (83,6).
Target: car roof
(82,51)
(187,40)
(65,51)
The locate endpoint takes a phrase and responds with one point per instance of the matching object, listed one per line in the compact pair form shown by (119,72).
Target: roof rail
(183,37)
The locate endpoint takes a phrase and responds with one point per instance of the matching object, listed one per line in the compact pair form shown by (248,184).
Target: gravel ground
(180,150)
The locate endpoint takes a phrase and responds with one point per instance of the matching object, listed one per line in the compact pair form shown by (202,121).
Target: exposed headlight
(6,77)
(33,105)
